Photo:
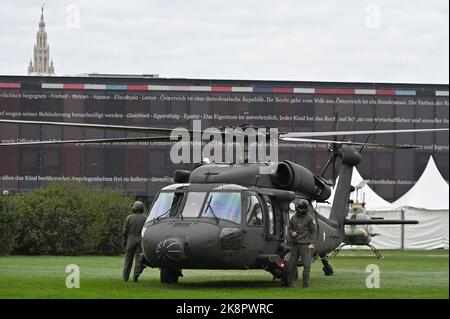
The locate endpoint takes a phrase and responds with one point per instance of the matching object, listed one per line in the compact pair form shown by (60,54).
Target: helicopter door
(274,229)
(254,223)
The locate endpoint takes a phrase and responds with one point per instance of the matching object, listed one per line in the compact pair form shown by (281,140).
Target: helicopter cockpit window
(254,211)
(165,205)
(193,204)
(223,205)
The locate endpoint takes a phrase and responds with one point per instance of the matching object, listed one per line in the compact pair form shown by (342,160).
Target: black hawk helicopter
(230,216)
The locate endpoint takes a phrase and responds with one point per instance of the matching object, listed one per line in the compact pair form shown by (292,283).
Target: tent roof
(429,192)
(373,201)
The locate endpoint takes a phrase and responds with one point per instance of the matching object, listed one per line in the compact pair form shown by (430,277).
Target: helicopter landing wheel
(169,276)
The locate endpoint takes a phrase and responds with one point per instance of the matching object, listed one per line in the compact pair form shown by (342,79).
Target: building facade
(159,102)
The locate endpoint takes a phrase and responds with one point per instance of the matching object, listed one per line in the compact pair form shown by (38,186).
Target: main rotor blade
(371,145)
(123,128)
(95,141)
(340,133)
(167,131)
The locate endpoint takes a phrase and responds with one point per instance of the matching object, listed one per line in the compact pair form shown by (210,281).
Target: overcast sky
(310,40)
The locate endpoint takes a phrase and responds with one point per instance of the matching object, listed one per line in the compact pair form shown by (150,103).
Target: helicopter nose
(169,250)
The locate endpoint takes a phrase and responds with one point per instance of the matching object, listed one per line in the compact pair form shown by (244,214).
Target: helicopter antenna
(333,149)
(336,128)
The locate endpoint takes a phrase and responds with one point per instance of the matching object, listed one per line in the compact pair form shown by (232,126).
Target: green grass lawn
(410,274)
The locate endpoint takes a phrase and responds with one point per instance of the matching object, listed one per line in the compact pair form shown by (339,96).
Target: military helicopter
(362,234)
(233,216)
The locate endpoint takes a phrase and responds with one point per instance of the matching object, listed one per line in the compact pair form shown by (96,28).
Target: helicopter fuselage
(224,226)
(235,216)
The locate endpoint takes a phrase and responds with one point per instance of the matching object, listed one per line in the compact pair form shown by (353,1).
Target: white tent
(428,202)
(388,236)
(373,201)
(430,192)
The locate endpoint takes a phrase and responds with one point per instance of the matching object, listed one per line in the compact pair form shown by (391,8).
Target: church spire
(40,64)
(42,22)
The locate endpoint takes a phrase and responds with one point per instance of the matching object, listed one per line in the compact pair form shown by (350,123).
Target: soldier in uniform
(131,235)
(303,235)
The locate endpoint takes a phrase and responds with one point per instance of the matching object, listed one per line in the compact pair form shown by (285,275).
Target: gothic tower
(41,63)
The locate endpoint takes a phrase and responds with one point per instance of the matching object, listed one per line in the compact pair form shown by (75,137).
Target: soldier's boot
(125,276)
(305,278)
(138,269)
(137,272)
(126,272)
(129,254)
(294,279)
(306,258)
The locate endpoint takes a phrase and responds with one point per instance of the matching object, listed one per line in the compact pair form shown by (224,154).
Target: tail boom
(350,158)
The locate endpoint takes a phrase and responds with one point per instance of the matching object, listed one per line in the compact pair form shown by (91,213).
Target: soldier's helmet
(301,205)
(138,206)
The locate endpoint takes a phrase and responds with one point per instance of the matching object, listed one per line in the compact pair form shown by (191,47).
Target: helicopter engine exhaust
(181,176)
(291,176)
